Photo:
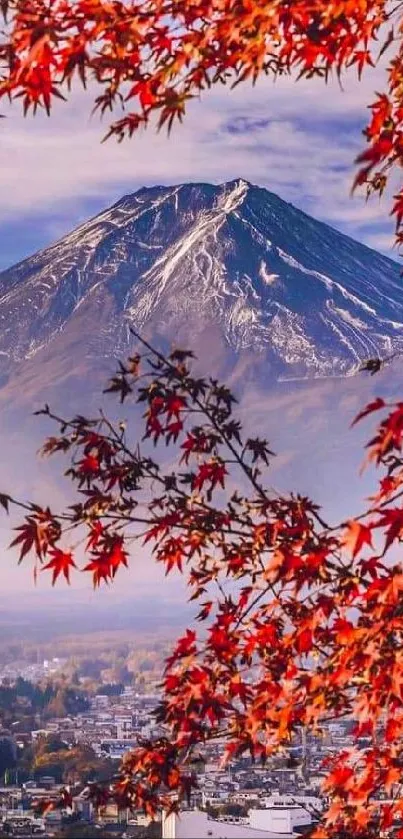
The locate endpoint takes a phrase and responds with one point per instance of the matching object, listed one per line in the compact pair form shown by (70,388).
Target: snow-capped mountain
(181,261)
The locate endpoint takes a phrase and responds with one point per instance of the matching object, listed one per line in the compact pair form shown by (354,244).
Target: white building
(277,821)
(295,805)
(196,824)
(280,816)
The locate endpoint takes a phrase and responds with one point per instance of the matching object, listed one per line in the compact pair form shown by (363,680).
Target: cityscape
(72,750)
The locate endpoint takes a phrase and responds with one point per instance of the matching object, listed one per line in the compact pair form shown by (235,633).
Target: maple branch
(204,409)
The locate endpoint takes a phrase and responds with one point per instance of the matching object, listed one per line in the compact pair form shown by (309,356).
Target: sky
(297,139)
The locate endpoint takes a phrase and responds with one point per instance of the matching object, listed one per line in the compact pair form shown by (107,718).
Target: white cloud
(305,153)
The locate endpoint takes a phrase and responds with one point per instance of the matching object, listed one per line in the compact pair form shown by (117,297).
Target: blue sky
(297,139)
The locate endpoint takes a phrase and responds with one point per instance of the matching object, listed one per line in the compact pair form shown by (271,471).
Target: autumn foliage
(300,622)
(150,57)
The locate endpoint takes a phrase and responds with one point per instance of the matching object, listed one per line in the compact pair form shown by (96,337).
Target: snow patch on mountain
(349,318)
(265,275)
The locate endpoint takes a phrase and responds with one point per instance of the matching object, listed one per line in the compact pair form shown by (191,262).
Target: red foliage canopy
(154,55)
(301,622)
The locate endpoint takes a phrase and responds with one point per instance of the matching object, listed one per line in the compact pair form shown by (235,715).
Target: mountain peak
(196,187)
(193,260)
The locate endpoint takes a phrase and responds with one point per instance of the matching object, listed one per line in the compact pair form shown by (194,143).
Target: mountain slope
(196,260)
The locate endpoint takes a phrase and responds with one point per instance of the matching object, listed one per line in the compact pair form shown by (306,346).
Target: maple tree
(152,56)
(301,622)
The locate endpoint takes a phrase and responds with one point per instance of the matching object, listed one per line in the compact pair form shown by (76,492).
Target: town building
(281,818)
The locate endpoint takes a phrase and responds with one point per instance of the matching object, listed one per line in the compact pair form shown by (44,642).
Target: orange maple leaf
(356,535)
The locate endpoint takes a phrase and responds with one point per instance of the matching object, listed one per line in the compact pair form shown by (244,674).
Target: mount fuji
(229,269)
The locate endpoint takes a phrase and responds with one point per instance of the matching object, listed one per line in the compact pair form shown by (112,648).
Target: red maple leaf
(96,532)
(304,641)
(117,556)
(372,406)
(100,568)
(213,471)
(89,464)
(174,405)
(61,563)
